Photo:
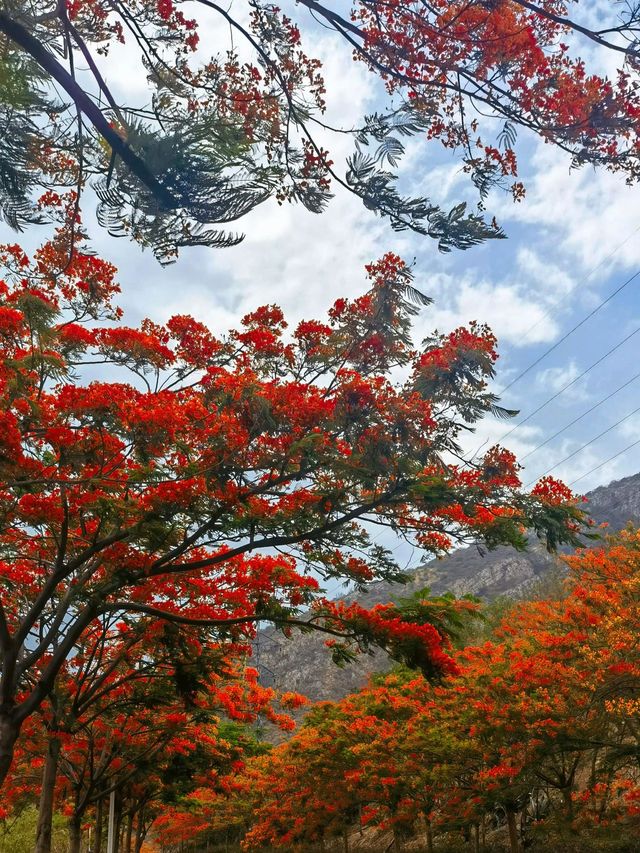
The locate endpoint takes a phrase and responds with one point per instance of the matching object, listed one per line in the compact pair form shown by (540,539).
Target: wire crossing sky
(570,332)
(571,383)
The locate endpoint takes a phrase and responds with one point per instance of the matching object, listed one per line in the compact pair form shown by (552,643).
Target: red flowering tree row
(162,473)
(539,730)
(148,713)
(215,136)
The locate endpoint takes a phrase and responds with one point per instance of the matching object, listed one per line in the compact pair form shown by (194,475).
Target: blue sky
(572,242)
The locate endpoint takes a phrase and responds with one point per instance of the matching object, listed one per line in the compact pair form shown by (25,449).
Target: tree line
(532,743)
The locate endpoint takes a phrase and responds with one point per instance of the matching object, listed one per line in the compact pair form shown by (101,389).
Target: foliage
(215,136)
(210,482)
(18,832)
(541,722)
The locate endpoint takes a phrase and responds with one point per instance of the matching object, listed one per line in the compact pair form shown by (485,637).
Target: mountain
(304,664)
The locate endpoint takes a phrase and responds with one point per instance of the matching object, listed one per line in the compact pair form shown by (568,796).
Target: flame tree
(216,135)
(216,483)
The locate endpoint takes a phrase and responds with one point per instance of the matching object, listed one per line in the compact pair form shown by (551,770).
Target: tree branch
(5,635)
(22,37)
(160,568)
(573,25)
(176,618)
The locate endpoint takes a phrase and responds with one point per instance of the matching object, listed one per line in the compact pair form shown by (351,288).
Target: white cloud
(557,379)
(491,431)
(511,310)
(546,279)
(298,260)
(589,217)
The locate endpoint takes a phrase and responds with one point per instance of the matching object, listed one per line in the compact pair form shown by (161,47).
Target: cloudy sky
(572,242)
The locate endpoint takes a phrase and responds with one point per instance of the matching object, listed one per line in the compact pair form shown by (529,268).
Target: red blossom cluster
(508,55)
(537,723)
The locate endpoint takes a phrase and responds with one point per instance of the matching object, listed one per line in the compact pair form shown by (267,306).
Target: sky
(572,242)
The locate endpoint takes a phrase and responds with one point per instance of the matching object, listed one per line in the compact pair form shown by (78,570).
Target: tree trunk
(98,834)
(75,834)
(567,802)
(428,834)
(117,832)
(45,808)
(396,840)
(129,835)
(513,832)
(476,835)
(140,833)
(9,732)
(345,839)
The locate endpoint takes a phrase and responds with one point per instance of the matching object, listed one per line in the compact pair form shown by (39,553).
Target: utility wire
(606,461)
(573,382)
(580,417)
(606,258)
(570,332)
(583,446)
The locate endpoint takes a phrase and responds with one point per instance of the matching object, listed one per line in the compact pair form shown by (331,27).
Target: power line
(606,462)
(586,444)
(589,275)
(569,384)
(580,417)
(570,332)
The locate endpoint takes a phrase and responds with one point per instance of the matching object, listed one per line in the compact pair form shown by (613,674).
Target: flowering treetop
(216,135)
(217,482)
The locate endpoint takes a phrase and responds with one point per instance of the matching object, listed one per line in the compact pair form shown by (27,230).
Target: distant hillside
(304,664)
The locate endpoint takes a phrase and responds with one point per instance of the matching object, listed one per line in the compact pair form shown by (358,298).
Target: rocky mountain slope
(304,664)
